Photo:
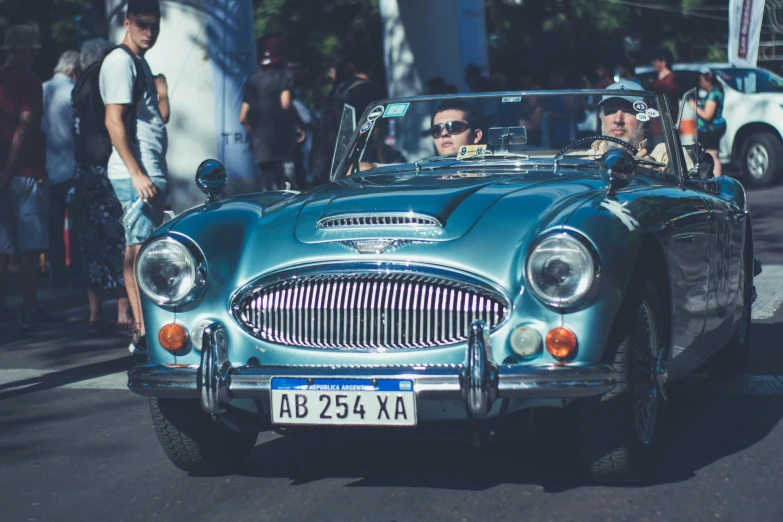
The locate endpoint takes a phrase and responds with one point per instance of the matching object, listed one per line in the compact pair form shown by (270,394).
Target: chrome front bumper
(479,381)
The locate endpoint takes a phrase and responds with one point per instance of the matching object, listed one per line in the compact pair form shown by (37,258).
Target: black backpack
(93,144)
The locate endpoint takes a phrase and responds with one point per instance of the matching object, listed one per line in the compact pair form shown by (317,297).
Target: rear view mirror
(506,138)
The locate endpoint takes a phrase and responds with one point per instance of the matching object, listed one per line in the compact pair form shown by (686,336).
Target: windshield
(494,130)
(751,81)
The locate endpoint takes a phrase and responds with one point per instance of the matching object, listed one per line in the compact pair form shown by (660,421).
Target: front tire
(761,159)
(195,442)
(619,430)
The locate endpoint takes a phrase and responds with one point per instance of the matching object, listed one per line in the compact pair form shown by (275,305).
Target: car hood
(456,200)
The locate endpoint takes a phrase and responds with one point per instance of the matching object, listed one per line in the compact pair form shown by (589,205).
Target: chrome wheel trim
(645,392)
(757,160)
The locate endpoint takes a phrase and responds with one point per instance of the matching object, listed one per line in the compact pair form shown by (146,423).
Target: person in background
(137,111)
(666,81)
(604,73)
(268,114)
(60,163)
(627,71)
(351,85)
(711,125)
(96,211)
(24,185)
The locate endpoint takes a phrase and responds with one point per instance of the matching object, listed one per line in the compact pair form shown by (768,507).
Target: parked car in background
(753,112)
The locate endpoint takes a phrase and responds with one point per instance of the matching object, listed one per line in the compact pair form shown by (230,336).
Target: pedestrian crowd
(85,152)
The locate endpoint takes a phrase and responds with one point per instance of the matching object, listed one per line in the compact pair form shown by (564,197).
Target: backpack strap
(139,88)
(141,84)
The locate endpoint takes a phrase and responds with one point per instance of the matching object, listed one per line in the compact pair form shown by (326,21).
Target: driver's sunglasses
(454,128)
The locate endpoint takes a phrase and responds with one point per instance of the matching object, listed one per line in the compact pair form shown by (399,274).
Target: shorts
(710,140)
(24,215)
(152,216)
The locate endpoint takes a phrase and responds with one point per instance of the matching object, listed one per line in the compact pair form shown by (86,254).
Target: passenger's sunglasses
(454,128)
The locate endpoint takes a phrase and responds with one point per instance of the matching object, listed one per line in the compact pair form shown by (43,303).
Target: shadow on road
(698,431)
(701,426)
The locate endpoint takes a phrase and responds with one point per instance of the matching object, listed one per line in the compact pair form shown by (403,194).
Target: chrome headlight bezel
(198,267)
(590,277)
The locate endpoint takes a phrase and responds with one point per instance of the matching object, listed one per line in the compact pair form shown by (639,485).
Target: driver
(453,126)
(618,113)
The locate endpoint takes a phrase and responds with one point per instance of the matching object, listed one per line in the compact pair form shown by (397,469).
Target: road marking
(769,288)
(26,378)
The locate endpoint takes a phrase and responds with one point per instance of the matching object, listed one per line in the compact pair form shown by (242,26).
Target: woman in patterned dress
(98,213)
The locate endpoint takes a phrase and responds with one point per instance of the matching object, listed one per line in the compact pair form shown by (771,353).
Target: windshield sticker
(367,126)
(470,151)
(639,106)
(652,113)
(620,212)
(375,113)
(641,116)
(395,110)
(511,99)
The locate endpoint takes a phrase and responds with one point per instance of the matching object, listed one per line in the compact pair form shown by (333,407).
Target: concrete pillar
(424,39)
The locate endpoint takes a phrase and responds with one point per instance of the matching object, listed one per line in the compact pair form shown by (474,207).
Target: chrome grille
(394,219)
(367,310)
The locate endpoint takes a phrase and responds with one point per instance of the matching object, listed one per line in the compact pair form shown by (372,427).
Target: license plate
(349,402)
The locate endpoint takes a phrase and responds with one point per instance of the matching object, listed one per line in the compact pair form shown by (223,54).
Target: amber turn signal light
(172,337)
(560,342)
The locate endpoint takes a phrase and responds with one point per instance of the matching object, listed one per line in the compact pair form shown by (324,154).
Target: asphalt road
(75,445)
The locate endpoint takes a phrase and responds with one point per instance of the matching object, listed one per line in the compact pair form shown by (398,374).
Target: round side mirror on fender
(211,178)
(617,169)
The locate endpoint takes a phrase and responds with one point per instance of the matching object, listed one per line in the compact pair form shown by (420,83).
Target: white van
(753,112)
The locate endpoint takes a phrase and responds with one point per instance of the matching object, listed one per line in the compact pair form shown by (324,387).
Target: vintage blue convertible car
(472,258)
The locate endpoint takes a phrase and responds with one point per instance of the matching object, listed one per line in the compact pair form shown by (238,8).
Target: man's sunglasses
(454,128)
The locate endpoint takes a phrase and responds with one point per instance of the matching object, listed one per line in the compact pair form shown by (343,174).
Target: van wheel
(761,159)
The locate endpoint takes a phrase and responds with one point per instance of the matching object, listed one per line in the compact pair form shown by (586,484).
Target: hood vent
(384,219)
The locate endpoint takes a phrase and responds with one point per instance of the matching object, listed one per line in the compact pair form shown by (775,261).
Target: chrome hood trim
(379,219)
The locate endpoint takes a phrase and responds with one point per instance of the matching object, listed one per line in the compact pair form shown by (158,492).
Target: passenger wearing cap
(619,120)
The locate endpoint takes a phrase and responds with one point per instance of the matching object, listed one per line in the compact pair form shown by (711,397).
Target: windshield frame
(669,133)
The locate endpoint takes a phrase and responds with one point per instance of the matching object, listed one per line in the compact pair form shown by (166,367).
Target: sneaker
(138,345)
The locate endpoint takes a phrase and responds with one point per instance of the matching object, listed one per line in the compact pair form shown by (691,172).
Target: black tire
(734,357)
(761,159)
(615,447)
(195,442)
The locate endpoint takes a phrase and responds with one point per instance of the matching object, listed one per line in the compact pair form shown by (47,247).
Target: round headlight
(166,271)
(560,270)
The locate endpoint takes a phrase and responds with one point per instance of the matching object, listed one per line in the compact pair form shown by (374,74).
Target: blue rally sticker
(342,385)
(395,110)
(511,99)
(365,127)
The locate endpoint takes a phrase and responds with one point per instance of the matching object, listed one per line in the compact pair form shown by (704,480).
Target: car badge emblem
(371,246)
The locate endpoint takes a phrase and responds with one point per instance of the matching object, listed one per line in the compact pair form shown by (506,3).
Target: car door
(726,307)
(687,235)
(725,245)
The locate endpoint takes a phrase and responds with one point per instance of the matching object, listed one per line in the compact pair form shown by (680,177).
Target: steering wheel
(590,139)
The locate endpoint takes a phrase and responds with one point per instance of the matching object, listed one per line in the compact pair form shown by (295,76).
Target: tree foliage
(61,25)
(317,32)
